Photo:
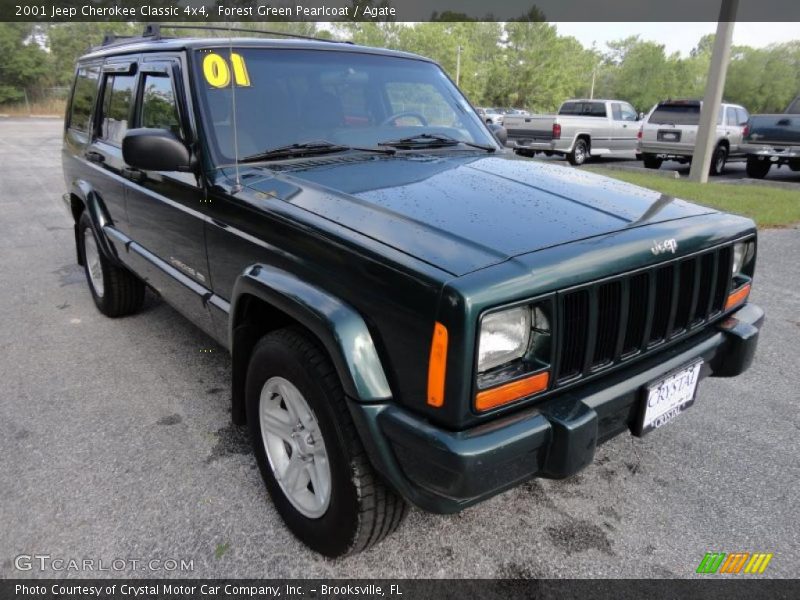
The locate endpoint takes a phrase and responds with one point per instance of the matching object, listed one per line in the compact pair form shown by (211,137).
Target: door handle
(625,125)
(134,174)
(95,157)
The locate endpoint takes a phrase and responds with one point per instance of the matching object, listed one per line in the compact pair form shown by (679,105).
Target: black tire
(362,509)
(525,153)
(794,165)
(122,292)
(651,161)
(579,153)
(718,160)
(757,169)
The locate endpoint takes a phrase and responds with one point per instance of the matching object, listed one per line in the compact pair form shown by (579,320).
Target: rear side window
(794,107)
(83,98)
(116,107)
(731,117)
(676,114)
(159,109)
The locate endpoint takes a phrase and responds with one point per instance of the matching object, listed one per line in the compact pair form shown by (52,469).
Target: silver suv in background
(491,116)
(670,132)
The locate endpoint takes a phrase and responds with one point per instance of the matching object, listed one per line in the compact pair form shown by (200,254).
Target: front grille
(613,320)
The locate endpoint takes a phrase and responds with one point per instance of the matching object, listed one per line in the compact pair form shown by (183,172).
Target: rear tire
(757,169)
(718,160)
(579,153)
(525,153)
(116,291)
(360,509)
(651,161)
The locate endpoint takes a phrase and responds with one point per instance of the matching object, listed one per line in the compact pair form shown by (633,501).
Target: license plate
(669,136)
(668,397)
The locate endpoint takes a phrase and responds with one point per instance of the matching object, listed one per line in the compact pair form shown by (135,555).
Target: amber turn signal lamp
(512,391)
(437,365)
(738,296)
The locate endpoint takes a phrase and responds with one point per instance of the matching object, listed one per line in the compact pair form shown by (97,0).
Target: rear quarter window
(84,95)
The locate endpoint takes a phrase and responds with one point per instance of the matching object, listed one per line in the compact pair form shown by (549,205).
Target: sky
(679,37)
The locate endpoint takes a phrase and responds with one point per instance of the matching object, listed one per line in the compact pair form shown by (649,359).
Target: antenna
(237,186)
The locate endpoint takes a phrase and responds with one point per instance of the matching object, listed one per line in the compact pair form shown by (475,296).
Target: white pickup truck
(582,128)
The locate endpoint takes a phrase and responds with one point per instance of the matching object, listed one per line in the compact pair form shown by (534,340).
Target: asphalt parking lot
(116,440)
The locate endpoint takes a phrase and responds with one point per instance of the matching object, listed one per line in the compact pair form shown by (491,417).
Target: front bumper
(443,471)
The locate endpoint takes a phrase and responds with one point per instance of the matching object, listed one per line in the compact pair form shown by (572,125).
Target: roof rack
(156,29)
(152,31)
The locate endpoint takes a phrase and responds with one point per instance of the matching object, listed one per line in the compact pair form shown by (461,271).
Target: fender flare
(337,325)
(99,217)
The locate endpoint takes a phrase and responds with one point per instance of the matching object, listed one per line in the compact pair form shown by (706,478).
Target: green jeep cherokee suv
(413,313)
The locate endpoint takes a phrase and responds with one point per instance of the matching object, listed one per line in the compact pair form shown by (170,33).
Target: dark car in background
(773,140)
(413,313)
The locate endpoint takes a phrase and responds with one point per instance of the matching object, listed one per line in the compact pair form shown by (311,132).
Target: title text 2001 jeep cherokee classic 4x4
(413,313)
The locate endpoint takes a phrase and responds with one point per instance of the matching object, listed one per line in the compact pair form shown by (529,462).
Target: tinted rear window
(676,114)
(584,109)
(794,107)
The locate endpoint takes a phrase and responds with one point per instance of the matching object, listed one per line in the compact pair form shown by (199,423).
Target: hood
(461,213)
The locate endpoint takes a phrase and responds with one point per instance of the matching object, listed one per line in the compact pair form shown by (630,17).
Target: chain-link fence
(35,101)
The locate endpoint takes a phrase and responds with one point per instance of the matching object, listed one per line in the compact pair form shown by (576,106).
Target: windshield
(286,97)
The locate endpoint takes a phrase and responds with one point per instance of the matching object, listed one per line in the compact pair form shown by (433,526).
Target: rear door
(736,119)
(166,208)
(103,155)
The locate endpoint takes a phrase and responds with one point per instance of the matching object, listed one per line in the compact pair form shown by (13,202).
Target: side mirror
(640,116)
(155,150)
(499,133)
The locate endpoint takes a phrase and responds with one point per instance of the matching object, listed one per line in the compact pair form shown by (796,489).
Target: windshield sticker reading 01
(218,74)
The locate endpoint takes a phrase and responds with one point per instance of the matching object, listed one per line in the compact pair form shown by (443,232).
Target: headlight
(739,251)
(504,337)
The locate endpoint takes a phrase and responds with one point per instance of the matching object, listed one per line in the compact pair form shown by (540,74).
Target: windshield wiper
(432,140)
(308,149)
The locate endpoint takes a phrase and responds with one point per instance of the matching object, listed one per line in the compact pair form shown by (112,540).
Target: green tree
(25,63)
(68,41)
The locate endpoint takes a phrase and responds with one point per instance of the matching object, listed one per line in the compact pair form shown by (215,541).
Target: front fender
(98,215)
(337,325)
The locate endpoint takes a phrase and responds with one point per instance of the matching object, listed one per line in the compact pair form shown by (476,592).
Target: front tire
(309,453)
(116,291)
(757,169)
(579,153)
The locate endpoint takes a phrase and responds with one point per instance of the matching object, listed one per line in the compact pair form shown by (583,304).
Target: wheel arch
(586,137)
(266,298)
(84,199)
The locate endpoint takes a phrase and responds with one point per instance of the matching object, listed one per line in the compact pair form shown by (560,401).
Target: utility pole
(591,93)
(706,133)
(458,65)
